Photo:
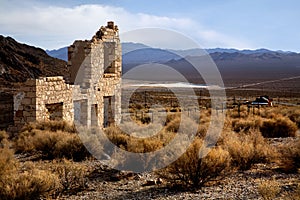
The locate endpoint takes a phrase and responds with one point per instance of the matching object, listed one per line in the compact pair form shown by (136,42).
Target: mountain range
(157,54)
(19,62)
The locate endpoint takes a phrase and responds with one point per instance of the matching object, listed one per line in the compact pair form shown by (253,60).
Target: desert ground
(256,155)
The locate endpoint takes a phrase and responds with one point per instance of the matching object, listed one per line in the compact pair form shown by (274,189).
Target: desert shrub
(185,124)
(72,176)
(269,189)
(116,136)
(290,158)
(71,147)
(28,185)
(4,142)
(192,170)
(135,144)
(202,130)
(247,149)
(279,127)
(50,126)
(51,144)
(291,113)
(171,117)
(146,120)
(236,114)
(7,161)
(173,125)
(296,194)
(270,112)
(144,145)
(294,116)
(22,183)
(239,125)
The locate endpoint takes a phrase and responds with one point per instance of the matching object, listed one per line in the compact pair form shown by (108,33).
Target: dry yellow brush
(269,189)
(22,183)
(52,140)
(247,148)
(192,170)
(35,180)
(56,145)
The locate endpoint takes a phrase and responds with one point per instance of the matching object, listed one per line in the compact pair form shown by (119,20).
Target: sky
(241,24)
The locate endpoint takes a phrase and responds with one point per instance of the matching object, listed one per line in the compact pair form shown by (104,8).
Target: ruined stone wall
(45,99)
(111,87)
(98,74)
(6,109)
(94,96)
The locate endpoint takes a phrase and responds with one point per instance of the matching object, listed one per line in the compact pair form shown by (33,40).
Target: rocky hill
(18,62)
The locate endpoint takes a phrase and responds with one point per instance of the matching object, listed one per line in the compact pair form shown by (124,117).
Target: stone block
(26,101)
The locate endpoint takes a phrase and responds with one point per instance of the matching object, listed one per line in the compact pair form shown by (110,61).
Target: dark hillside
(18,62)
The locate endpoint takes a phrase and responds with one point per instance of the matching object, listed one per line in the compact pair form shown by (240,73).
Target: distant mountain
(130,46)
(61,53)
(235,65)
(153,54)
(18,62)
(149,55)
(245,68)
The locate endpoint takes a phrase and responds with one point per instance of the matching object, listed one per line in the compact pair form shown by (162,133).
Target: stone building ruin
(91,96)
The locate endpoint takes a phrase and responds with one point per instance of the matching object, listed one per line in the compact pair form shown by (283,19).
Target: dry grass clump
(296,194)
(269,189)
(31,181)
(236,114)
(51,144)
(117,137)
(187,125)
(279,127)
(22,183)
(27,185)
(138,145)
(290,158)
(52,126)
(171,117)
(73,176)
(247,149)
(144,145)
(7,161)
(3,139)
(192,170)
(240,125)
(291,113)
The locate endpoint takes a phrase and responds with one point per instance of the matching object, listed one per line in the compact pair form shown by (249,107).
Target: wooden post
(248,109)
(239,109)
(145,99)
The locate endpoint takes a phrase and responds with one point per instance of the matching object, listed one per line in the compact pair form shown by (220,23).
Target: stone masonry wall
(87,60)
(6,109)
(40,94)
(95,78)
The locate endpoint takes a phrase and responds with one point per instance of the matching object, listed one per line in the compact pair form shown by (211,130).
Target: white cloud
(213,38)
(54,27)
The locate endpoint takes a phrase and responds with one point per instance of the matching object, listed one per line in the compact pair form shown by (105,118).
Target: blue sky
(241,24)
